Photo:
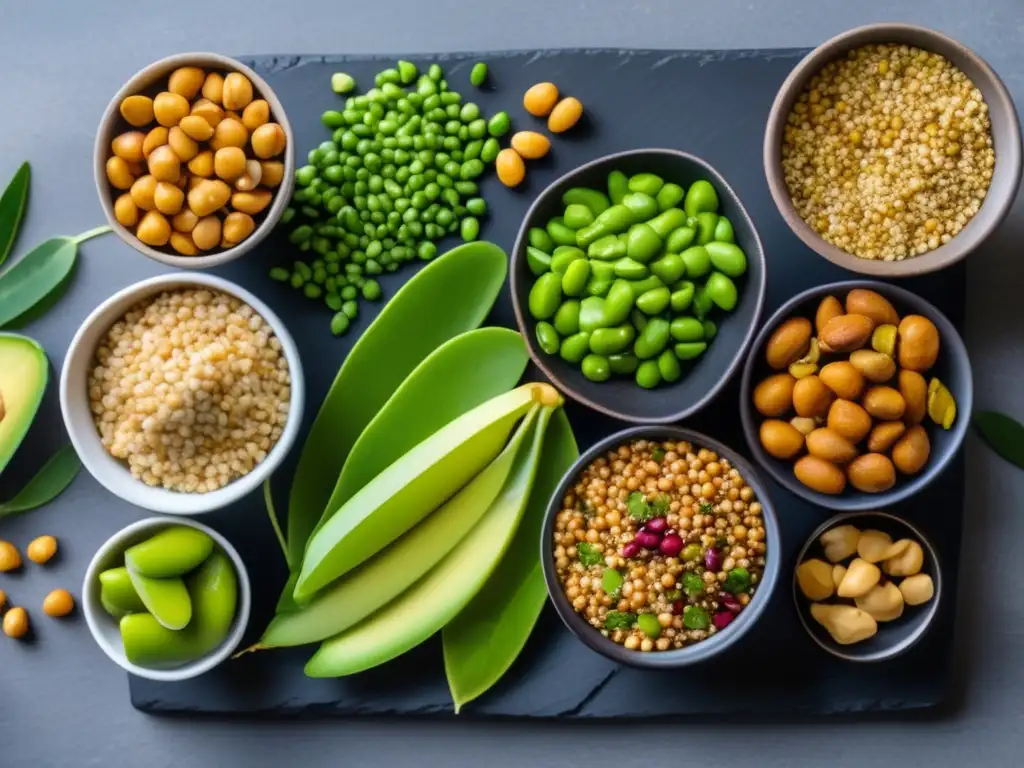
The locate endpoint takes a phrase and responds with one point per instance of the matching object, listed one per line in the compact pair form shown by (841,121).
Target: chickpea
(206,233)
(182,243)
(10,558)
(58,603)
(16,624)
(213,87)
(251,202)
(255,114)
(184,146)
(143,191)
(126,211)
(164,164)
(184,221)
(3,600)
(153,229)
(209,111)
(41,549)
(238,226)
(268,141)
(186,81)
(208,196)
(251,177)
(237,91)
(229,133)
(168,198)
(229,163)
(202,164)
(128,146)
(272,173)
(119,173)
(169,108)
(137,110)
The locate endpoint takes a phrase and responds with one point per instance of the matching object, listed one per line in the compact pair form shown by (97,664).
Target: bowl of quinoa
(893,150)
(182,393)
(660,547)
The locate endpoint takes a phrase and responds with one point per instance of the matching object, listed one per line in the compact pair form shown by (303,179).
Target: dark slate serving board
(713,104)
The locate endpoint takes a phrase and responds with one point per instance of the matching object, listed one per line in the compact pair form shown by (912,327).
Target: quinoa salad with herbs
(659,545)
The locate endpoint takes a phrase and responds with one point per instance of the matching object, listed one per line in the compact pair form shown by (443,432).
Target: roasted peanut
(819,475)
(846,333)
(884,403)
(872,305)
(873,366)
(849,420)
(843,379)
(788,343)
(831,446)
(911,451)
(827,309)
(918,343)
(781,439)
(871,473)
(884,435)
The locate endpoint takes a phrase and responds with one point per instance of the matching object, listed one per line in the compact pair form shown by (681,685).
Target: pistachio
(941,405)
(883,339)
(803,424)
(807,364)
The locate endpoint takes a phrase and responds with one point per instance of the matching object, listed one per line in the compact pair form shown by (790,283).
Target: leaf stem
(79,239)
(268,500)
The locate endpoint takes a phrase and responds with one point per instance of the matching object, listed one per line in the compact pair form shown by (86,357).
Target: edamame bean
(563,256)
(669,196)
(702,302)
(641,206)
(490,150)
(723,231)
(722,291)
(478,74)
(643,244)
(648,375)
(547,338)
(608,247)
(598,287)
(575,278)
(567,318)
(668,366)
(578,216)
(686,329)
(539,238)
(339,323)
(469,229)
(727,258)
(618,186)
(638,319)
(596,201)
(653,302)
(649,283)
(690,350)
(545,296)
(648,183)
(630,269)
(612,221)
(652,338)
(623,364)
(697,261)
(538,261)
(700,197)
(596,368)
(609,341)
(592,314)
(667,221)
(602,270)
(710,329)
(280,274)
(618,303)
(680,239)
(560,233)
(576,347)
(706,224)
(498,125)
(669,267)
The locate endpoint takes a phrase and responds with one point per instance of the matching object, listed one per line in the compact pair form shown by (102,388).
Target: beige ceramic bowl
(1005,135)
(150,81)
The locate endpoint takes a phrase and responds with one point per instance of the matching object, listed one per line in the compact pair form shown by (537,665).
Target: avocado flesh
(24,371)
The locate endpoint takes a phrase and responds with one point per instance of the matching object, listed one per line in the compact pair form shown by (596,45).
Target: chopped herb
(660,506)
(658,454)
(611,583)
(638,507)
(588,555)
(706,508)
(693,584)
(649,625)
(673,594)
(619,620)
(737,581)
(695,617)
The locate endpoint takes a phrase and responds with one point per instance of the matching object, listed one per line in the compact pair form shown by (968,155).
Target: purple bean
(648,540)
(729,601)
(656,525)
(632,549)
(712,559)
(722,619)
(671,545)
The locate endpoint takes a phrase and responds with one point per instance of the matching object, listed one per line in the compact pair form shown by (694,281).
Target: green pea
(578,216)
(478,74)
(622,364)
(576,347)
(469,112)
(700,197)
(567,318)
(702,302)
(547,338)
(668,366)
(630,269)
(722,291)
(602,270)
(652,339)
(596,368)
(560,233)
(280,274)
(333,302)
(471,169)
(339,323)
(609,247)
(710,329)
(469,229)
(690,350)
(609,341)
(427,251)
(470,188)
(303,269)
(575,278)
(669,196)
(476,206)
(648,375)
(723,231)
(697,261)
(727,258)
(618,303)
(648,624)
(490,150)
(596,201)
(643,244)
(653,302)
(342,83)
(592,314)
(618,186)
(706,224)
(597,287)
(563,256)
(648,183)
(641,206)
(687,329)
(498,125)
(300,234)
(538,261)
(649,283)
(545,296)
(669,267)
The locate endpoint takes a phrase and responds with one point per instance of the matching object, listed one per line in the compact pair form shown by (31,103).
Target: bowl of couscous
(893,150)
(182,393)
(660,547)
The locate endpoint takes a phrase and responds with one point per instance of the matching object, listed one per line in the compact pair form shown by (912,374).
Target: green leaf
(268,502)
(611,583)
(660,506)
(484,640)
(1003,434)
(12,207)
(48,484)
(588,555)
(695,617)
(658,454)
(619,620)
(638,508)
(737,581)
(693,584)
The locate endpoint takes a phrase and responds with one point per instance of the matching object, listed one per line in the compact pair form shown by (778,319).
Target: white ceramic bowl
(113,474)
(104,627)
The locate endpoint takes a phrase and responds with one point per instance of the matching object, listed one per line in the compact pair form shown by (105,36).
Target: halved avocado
(24,371)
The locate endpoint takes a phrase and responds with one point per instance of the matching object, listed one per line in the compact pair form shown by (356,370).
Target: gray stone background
(63,704)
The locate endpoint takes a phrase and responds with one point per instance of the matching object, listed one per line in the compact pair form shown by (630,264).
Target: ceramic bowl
(1005,135)
(893,637)
(113,474)
(953,368)
(716,643)
(104,627)
(620,396)
(150,81)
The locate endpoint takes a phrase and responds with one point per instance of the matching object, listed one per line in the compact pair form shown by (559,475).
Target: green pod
(643,244)
(563,256)
(669,268)
(652,339)
(602,270)
(167,599)
(577,216)
(623,364)
(700,197)
(595,200)
(687,329)
(607,248)
(560,233)
(648,375)
(723,231)
(213,588)
(668,366)
(596,368)
(576,347)
(697,261)
(648,183)
(547,338)
(638,319)
(667,221)
(567,318)
(710,330)
(680,239)
(682,296)
(618,303)
(614,220)
(706,224)
(117,595)
(538,261)
(618,186)
(610,341)
(545,296)
(649,283)
(690,350)
(592,314)
(597,287)
(669,196)
(727,258)
(630,269)
(147,643)
(702,302)
(575,278)
(642,207)
(722,291)
(654,301)
(174,551)
(539,238)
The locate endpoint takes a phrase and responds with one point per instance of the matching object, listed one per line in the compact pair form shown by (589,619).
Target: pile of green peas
(627,281)
(399,172)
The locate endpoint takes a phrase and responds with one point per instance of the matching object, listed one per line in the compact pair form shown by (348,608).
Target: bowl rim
(121,483)
(705,649)
(1009,154)
(760,290)
(94,613)
(931,610)
(141,80)
(859,502)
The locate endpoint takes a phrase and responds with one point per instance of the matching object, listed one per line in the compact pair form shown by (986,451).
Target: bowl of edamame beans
(637,281)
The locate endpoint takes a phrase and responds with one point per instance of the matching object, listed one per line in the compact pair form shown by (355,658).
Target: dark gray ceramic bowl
(705,649)
(893,637)
(620,397)
(953,368)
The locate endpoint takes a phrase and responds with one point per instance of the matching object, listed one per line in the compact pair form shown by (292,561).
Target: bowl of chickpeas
(893,150)
(660,547)
(194,160)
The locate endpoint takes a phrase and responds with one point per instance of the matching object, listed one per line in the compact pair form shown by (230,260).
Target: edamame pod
(567,318)
(576,347)
(680,239)
(648,183)
(648,374)
(682,296)
(577,216)
(667,221)
(538,261)
(545,296)
(547,338)
(641,206)
(706,224)
(623,364)
(618,186)
(630,269)
(596,368)
(614,220)
(643,244)
(173,551)
(592,314)
(652,339)
(117,595)
(607,248)
(609,341)
(697,261)
(575,278)
(700,197)
(148,643)
(618,303)
(722,291)
(690,350)
(727,258)
(593,199)
(669,196)
(668,366)
(669,268)
(560,233)
(723,231)
(686,329)
(213,589)
(166,599)
(654,301)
